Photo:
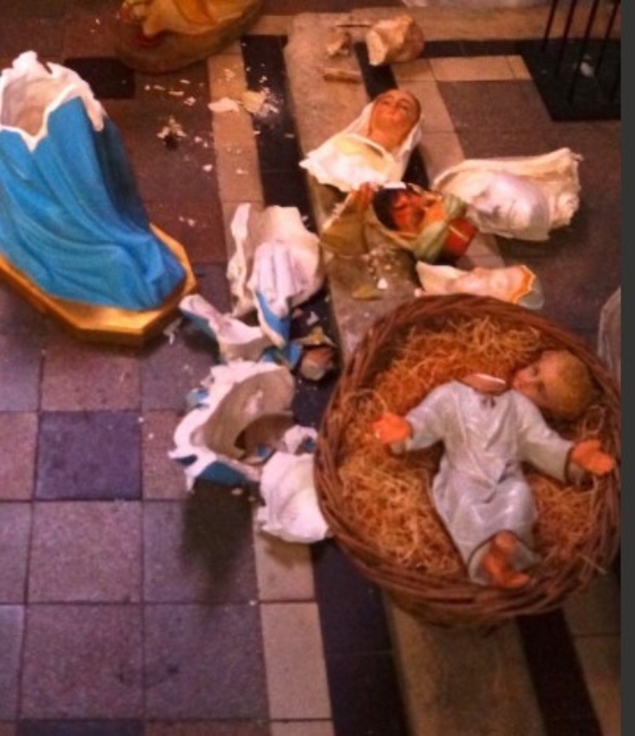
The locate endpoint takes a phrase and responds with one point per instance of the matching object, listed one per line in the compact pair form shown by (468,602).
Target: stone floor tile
(18,315)
(78,375)
(302,728)
(15,530)
(478,105)
(163,478)
(600,660)
(351,607)
(86,552)
(16,36)
(80,728)
(7,729)
(207,728)
(368,680)
(597,610)
(440,151)
(518,67)
(82,661)
(89,455)
(238,174)
(296,675)
(284,569)
(204,662)
(11,634)
(200,549)
(20,367)
(450,677)
(474,69)
(171,369)
(17,430)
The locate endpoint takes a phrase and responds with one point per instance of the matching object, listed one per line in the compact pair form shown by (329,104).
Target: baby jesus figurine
(488,429)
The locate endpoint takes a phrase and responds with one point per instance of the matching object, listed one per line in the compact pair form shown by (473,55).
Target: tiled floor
(130,607)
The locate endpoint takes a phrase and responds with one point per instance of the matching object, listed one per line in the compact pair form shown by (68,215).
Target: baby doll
(489,429)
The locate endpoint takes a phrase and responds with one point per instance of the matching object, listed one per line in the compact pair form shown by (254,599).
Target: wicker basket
(451,599)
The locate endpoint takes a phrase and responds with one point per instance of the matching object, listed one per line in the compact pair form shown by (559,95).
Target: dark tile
(108,78)
(200,550)
(80,728)
(494,106)
(572,726)
(204,662)
(15,529)
(18,432)
(17,315)
(497,47)
(288,189)
(71,556)
(439,49)
(377,79)
(352,614)
(89,455)
(213,284)
(11,633)
(83,662)
(555,669)
(365,697)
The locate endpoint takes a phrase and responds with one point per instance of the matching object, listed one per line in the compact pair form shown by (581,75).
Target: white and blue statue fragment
(72,224)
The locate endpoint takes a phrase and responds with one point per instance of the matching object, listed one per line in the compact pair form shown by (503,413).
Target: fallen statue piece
(518,197)
(515,284)
(74,235)
(394,40)
(157,36)
(374,148)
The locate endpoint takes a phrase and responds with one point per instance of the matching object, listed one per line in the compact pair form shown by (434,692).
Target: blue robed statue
(71,219)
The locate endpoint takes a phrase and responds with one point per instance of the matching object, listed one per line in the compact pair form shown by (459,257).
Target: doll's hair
(577,390)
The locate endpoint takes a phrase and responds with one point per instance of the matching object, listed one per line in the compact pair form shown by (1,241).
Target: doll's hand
(588,456)
(391,428)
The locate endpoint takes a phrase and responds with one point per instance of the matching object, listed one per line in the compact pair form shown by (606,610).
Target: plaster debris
(224,104)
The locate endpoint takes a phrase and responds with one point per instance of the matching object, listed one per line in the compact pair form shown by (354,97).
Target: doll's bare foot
(496,563)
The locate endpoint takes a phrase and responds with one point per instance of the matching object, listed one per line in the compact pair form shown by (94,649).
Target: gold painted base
(108,324)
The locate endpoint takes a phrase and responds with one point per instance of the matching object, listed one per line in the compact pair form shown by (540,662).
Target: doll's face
(394,112)
(542,381)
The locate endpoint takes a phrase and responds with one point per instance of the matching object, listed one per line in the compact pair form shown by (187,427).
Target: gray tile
(15,528)
(89,455)
(494,106)
(80,728)
(163,478)
(78,375)
(88,551)
(20,365)
(207,728)
(204,662)
(172,369)
(11,632)
(18,431)
(199,550)
(82,661)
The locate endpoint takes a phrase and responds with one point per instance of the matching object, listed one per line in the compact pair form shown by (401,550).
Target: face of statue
(511,203)
(394,112)
(510,284)
(408,211)
(541,381)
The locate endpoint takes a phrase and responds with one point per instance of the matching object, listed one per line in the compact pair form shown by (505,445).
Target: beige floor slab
(600,660)
(462,683)
(284,570)
(300,728)
(475,69)
(294,657)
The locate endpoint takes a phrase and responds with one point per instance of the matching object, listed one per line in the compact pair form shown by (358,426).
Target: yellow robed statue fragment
(158,36)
